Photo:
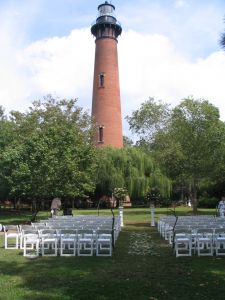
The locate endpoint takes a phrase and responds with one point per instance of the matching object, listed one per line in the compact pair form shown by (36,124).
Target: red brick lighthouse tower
(106,109)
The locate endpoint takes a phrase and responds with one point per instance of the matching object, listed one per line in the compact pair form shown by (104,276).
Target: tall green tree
(152,118)
(197,130)
(190,145)
(51,153)
(6,137)
(129,168)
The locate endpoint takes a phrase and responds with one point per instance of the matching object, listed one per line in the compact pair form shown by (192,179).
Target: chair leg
(31,248)
(85,248)
(51,247)
(68,246)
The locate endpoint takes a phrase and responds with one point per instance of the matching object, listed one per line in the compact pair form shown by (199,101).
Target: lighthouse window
(101,80)
(106,10)
(100,134)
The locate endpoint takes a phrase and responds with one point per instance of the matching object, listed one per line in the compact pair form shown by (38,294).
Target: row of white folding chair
(83,225)
(36,241)
(14,233)
(13,239)
(165,224)
(14,236)
(94,226)
(164,219)
(68,242)
(81,218)
(87,242)
(205,241)
(161,224)
(75,223)
(78,225)
(185,242)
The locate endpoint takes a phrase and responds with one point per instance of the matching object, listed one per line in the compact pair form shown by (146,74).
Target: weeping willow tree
(132,169)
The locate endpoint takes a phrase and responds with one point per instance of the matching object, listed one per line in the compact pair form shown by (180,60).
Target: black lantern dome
(106,19)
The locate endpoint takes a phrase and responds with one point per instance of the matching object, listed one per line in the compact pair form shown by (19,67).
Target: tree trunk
(34,205)
(18,203)
(194,199)
(35,209)
(42,204)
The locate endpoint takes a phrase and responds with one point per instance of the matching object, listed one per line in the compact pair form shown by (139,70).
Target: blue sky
(169,49)
(184,21)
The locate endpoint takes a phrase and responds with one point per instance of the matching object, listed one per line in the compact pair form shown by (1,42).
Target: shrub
(207,202)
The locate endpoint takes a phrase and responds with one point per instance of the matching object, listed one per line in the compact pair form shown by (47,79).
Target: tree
(190,146)
(127,142)
(52,153)
(129,168)
(6,137)
(197,129)
(149,120)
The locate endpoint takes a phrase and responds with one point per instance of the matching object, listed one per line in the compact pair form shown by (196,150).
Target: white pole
(152,210)
(121,215)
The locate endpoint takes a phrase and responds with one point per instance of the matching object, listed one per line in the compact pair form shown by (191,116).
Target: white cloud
(181,3)
(63,66)
(150,66)
(15,88)
(13,81)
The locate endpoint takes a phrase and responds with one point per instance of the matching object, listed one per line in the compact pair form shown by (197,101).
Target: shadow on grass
(123,276)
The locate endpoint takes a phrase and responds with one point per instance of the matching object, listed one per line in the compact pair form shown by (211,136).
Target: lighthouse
(106,107)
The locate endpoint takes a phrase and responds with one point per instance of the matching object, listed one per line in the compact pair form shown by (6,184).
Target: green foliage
(130,168)
(51,153)
(6,137)
(196,128)
(207,202)
(187,141)
(127,142)
(151,118)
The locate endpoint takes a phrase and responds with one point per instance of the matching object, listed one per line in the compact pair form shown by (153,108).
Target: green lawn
(142,267)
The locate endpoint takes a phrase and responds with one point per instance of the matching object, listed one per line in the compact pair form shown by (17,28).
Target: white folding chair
(21,230)
(104,243)
(204,242)
(68,242)
(219,240)
(85,242)
(49,242)
(31,243)
(183,242)
(12,237)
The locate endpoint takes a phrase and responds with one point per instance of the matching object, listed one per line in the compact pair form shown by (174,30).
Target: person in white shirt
(221,207)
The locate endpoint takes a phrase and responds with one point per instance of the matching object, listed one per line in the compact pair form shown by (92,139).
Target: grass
(142,267)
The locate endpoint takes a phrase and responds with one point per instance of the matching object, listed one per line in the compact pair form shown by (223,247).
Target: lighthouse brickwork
(106,108)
